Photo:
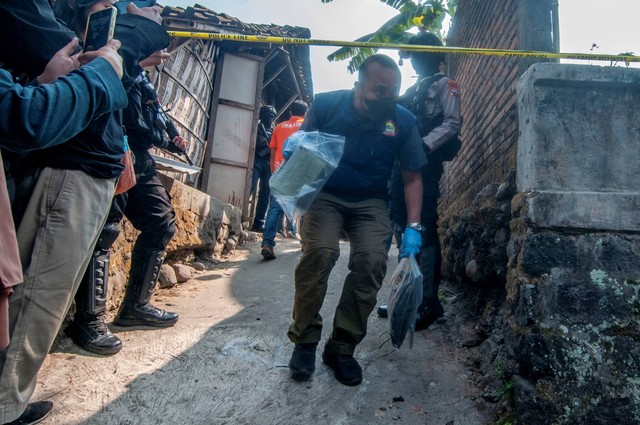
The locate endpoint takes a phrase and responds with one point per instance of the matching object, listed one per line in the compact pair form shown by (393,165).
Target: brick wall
(490,127)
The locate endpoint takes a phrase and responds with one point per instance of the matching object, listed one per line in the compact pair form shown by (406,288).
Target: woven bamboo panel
(184,84)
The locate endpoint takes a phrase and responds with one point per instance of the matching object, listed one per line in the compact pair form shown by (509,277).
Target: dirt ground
(225,361)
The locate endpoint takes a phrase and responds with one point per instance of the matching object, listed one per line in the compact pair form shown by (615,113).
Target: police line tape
(409,47)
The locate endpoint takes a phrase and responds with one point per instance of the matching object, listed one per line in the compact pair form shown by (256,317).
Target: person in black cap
(262,166)
(435,101)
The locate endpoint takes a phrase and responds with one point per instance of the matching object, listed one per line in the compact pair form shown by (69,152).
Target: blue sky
(611,24)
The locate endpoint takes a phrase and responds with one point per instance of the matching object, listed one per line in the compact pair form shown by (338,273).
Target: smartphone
(100,28)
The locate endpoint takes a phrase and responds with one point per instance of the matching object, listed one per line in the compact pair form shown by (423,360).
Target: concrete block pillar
(574,268)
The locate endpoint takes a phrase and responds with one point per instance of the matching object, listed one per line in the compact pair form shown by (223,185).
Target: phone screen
(100,27)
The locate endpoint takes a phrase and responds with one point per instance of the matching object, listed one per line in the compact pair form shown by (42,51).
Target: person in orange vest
(297,112)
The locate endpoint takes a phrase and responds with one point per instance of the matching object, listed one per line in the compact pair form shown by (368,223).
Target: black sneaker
(267,253)
(303,361)
(145,315)
(34,413)
(428,316)
(94,336)
(345,368)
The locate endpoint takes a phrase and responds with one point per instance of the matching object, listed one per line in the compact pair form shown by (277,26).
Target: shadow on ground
(225,362)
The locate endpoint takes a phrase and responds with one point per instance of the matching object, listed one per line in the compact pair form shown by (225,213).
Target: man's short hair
(382,60)
(298,108)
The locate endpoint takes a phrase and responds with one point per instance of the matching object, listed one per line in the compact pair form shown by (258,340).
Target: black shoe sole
(429,319)
(34,413)
(300,375)
(267,255)
(125,323)
(350,383)
(100,350)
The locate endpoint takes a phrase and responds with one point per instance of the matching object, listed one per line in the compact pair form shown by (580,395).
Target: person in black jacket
(147,205)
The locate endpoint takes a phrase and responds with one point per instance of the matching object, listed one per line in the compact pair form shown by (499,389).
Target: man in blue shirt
(354,200)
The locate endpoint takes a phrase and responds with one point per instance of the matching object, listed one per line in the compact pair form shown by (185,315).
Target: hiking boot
(267,253)
(383,311)
(94,336)
(34,413)
(303,361)
(428,316)
(145,315)
(345,368)
(136,309)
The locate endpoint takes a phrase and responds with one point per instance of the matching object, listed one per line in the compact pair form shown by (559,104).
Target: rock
(504,192)
(167,277)
(491,396)
(198,266)
(231,244)
(471,269)
(183,272)
(501,236)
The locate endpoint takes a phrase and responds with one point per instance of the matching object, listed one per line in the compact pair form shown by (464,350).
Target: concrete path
(225,362)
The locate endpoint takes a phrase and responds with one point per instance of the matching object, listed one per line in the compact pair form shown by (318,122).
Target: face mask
(266,120)
(381,109)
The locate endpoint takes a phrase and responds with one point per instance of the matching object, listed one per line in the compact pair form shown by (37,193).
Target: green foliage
(428,16)
(623,54)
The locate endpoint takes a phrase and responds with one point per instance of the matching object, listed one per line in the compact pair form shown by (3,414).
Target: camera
(121,5)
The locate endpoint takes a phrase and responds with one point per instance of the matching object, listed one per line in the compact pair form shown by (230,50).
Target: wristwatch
(417,227)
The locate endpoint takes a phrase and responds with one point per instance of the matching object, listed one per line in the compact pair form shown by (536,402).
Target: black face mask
(266,120)
(381,109)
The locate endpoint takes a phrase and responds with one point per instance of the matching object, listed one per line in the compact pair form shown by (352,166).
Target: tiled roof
(201,18)
(199,13)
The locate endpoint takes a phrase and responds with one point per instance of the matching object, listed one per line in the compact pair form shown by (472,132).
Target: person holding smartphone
(65,193)
(147,205)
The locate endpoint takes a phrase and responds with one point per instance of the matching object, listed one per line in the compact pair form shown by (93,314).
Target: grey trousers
(56,236)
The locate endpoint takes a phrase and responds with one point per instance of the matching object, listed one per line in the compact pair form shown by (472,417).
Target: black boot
(430,309)
(88,329)
(136,310)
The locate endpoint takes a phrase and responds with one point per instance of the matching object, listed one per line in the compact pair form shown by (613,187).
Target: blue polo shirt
(371,147)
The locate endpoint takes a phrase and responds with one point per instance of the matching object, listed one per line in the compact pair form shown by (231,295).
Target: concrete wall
(207,230)
(574,266)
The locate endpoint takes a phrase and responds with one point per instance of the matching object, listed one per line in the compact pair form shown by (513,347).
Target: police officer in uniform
(147,206)
(262,166)
(435,101)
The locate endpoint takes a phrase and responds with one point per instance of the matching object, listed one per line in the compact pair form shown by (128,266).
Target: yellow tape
(456,50)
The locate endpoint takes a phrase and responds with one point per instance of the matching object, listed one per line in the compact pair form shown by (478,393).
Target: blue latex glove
(411,243)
